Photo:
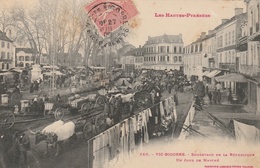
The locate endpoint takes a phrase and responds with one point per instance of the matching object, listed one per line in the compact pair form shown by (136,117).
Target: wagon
(87,112)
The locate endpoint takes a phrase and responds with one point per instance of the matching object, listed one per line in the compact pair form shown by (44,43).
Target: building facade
(193,57)
(227,37)
(139,57)
(7,50)
(163,52)
(200,56)
(128,61)
(24,57)
(251,66)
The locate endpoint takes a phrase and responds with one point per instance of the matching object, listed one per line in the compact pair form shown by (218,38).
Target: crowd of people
(217,94)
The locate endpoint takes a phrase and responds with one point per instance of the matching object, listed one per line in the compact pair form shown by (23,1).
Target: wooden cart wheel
(59,113)
(100,123)
(88,131)
(85,107)
(100,102)
(15,99)
(7,120)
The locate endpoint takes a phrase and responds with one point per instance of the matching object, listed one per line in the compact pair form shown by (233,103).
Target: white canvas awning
(232,77)
(213,73)
(205,73)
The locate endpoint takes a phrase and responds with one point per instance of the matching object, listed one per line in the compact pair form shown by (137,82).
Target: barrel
(4,98)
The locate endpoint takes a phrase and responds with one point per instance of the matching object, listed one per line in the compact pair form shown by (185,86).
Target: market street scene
(127,83)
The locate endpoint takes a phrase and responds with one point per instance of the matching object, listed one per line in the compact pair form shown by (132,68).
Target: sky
(146,24)
(191,28)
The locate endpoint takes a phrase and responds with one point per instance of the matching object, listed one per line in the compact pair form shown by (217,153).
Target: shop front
(238,85)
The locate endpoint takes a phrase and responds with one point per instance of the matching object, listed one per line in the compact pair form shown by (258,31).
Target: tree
(5,21)
(28,26)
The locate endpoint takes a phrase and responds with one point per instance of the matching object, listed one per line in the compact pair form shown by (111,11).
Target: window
(174,49)
(196,48)
(226,40)
(3,44)
(3,66)
(8,45)
(2,55)
(180,58)
(161,49)
(27,58)
(7,66)
(180,49)
(168,58)
(8,55)
(233,37)
(191,49)
(200,46)
(220,41)
(21,58)
(168,50)
(229,38)
(175,59)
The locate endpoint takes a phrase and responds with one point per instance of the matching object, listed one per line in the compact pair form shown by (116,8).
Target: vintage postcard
(130,83)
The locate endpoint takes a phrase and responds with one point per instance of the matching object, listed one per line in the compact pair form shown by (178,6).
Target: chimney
(223,20)
(238,11)
(210,32)
(180,35)
(203,34)
(140,46)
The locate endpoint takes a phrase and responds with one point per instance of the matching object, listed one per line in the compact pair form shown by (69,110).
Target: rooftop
(4,37)
(164,39)
(26,50)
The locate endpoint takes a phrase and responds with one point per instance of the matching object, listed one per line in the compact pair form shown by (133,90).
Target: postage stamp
(109,15)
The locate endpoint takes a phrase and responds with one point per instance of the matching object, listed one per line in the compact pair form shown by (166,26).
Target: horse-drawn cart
(86,112)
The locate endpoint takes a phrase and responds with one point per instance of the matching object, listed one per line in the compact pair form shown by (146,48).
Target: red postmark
(108,15)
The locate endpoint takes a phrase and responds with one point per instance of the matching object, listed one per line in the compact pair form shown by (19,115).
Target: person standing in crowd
(111,102)
(34,106)
(169,88)
(175,96)
(240,94)
(41,107)
(153,96)
(210,96)
(214,96)
(218,86)
(31,88)
(118,110)
(58,98)
(229,95)
(131,106)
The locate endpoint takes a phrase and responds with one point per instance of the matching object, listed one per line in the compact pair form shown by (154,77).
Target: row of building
(12,56)
(159,53)
(231,47)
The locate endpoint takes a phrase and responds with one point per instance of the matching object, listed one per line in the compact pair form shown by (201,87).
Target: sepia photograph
(129,83)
